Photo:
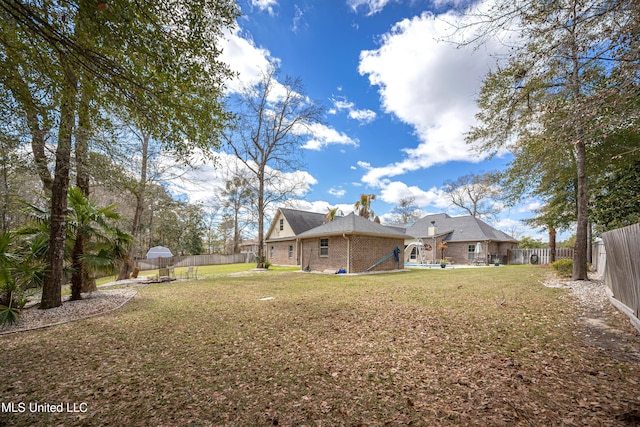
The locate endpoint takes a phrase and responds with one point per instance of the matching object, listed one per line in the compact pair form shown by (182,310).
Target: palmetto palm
(97,245)
(332,213)
(363,206)
(92,242)
(21,267)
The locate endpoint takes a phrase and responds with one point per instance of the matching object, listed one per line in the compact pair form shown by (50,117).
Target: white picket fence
(536,256)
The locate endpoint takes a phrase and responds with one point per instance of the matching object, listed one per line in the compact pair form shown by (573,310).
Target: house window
(281,224)
(471,252)
(290,251)
(324,247)
(271,251)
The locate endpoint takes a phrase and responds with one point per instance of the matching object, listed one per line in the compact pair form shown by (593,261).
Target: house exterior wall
(334,260)
(431,256)
(278,253)
(500,249)
(276,233)
(367,250)
(364,251)
(458,252)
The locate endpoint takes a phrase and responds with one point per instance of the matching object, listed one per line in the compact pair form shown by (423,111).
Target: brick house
(351,243)
(463,235)
(281,240)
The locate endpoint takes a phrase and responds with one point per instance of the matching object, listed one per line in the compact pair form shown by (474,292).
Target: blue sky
(399,96)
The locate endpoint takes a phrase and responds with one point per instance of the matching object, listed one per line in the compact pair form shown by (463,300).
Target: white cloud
(514,228)
(322,136)
(298,20)
(320,206)
(530,206)
(245,58)
(429,84)
(342,104)
(265,5)
(395,191)
(373,6)
(208,179)
(338,192)
(363,116)
(250,62)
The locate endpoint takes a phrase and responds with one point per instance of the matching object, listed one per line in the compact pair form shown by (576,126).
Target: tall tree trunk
(78,267)
(86,282)
(82,138)
(38,148)
(126,268)
(23,95)
(552,244)
(261,255)
(54,275)
(236,232)
(580,150)
(5,192)
(127,265)
(590,243)
(580,249)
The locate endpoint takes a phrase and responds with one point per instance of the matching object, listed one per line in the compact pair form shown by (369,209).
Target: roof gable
(301,221)
(353,224)
(461,228)
(295,222)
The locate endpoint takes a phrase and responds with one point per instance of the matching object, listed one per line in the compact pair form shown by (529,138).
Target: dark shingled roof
(301,221)
(460,229)
(353,224)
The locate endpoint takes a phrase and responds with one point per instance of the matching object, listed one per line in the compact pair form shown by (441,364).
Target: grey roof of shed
(353,224)
(459,229)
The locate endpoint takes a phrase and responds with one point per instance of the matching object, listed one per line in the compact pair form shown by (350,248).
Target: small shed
(159,252)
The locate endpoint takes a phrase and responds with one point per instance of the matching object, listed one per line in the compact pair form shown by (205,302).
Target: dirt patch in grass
(467,347)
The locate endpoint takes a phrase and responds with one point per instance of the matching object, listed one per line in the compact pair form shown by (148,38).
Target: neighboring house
(249,246)
(353,244)
(468,240)
(282,246)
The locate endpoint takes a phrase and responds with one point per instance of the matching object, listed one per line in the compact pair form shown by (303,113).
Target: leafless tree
(406,211)
(272,121)
(474,194)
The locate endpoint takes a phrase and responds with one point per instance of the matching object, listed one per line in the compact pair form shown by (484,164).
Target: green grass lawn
(487,346)
(204,271)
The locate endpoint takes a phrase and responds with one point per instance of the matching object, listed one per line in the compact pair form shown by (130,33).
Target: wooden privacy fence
(622,271)
(194,260)
(536,256)
(598,257)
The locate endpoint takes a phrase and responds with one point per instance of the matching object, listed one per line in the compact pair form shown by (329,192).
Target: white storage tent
(159,252)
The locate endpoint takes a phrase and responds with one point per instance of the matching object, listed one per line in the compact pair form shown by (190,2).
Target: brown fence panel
(622,270)
(599,257)
(537,256)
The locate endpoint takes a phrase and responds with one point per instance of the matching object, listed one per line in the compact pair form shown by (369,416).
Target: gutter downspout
(488,257)
(348,252)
